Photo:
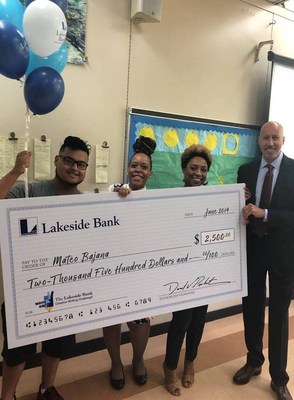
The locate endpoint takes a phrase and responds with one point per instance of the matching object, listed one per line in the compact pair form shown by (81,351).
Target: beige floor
(222,351)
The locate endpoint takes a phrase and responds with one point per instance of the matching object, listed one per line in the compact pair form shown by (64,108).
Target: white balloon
(44,26)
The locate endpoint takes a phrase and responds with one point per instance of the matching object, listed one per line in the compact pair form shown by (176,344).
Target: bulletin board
(230,144)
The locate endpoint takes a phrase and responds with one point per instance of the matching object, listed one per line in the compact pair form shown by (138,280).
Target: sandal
(188,374)
(171,381)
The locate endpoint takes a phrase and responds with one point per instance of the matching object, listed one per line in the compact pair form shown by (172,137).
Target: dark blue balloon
(61,3)
(43,90)
(14,51)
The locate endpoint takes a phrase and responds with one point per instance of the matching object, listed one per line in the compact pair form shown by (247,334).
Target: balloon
(12,11)
(44,26)
(61,3)
(43,90)
(14,51)
(56,61)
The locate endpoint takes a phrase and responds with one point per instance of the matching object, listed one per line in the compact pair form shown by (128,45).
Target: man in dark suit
(270,250)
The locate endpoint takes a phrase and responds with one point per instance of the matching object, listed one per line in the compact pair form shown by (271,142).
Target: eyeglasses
(70,162)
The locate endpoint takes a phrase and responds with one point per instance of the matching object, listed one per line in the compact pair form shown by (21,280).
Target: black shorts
(54,348)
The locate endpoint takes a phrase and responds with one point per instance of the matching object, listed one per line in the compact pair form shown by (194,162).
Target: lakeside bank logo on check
(28,226)
(31,226)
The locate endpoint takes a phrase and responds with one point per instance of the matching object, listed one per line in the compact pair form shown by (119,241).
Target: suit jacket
(280,213)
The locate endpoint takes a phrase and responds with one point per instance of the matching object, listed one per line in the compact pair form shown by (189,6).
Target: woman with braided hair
(139,171)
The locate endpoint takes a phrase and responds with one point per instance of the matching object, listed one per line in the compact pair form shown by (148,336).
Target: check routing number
(81,262)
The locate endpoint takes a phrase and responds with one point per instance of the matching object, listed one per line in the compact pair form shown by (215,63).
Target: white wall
(199,60)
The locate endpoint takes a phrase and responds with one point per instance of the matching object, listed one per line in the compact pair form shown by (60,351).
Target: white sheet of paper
(42,159)
(80,262)
(102,162)
(8,152)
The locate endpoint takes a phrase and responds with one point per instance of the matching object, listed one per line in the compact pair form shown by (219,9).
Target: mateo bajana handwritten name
(84,257)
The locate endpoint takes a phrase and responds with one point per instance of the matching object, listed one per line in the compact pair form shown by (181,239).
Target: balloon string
(26,146)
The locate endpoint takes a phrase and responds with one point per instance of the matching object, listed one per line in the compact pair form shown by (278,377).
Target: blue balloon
(43,90)
(12,11)
(14,51)
(61,3)
(56,60)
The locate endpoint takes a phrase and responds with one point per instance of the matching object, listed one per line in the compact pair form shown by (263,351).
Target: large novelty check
(76,263)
